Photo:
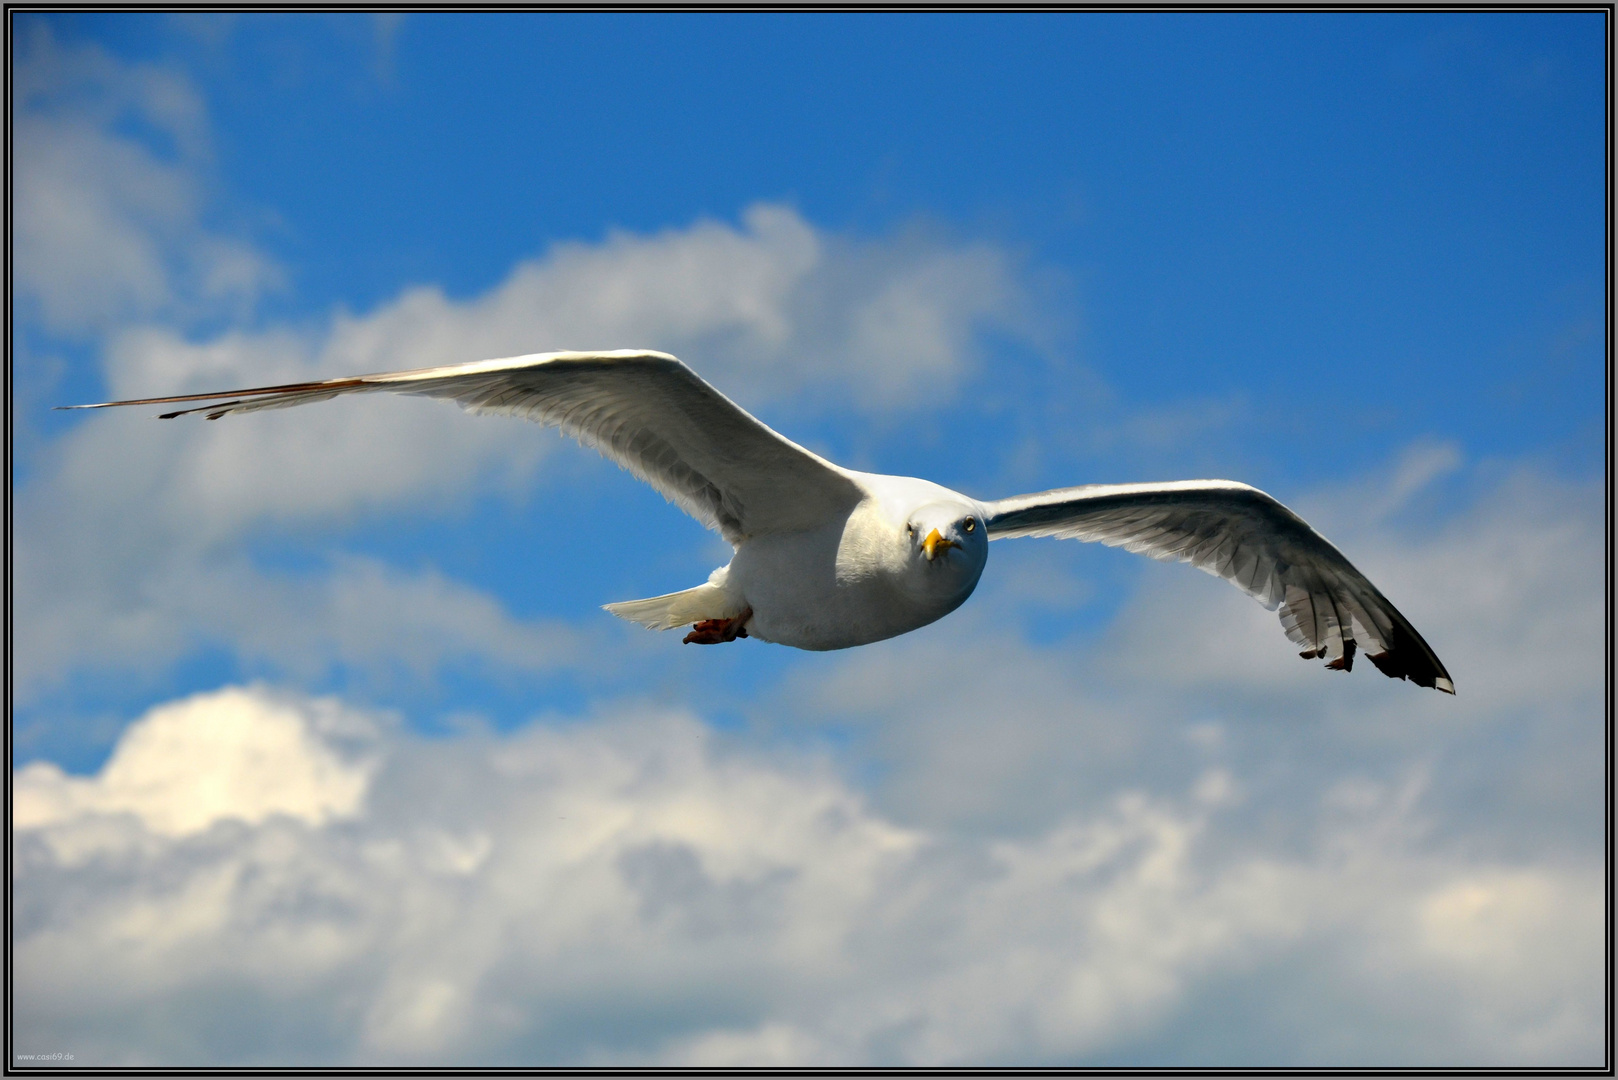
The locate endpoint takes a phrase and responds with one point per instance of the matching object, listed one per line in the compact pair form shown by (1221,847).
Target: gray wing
(1239,533)
(644,410)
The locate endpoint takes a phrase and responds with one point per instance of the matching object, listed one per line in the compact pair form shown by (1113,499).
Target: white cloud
(109,224)
(767,309)
(395,626)
(183,766)
(632,839)
(640,889)
(1506,930)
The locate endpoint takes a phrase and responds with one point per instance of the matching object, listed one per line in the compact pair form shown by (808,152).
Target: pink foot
(714,631)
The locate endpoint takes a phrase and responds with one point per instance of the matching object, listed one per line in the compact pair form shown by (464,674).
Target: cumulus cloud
(231,754)
(643,890)
(766,308)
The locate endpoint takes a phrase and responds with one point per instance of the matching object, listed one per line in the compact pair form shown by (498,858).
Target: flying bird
(829,558)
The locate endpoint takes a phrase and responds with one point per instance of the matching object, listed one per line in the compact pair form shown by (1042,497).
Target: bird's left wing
(644,410)
(1241,534)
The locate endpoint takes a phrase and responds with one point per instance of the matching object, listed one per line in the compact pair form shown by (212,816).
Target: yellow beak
(935,543)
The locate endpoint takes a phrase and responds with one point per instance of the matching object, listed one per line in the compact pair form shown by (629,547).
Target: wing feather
(1230,530)
(644,410)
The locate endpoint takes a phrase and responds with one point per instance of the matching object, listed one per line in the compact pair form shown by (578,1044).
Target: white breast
(850,582)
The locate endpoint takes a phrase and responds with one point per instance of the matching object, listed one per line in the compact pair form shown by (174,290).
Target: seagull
(829,558)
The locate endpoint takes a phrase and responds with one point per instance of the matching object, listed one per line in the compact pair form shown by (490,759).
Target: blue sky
(1354,259)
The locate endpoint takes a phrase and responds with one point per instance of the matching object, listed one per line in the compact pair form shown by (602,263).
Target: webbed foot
(714,631)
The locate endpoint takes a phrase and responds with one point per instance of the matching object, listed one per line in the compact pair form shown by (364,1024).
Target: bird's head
(948,539)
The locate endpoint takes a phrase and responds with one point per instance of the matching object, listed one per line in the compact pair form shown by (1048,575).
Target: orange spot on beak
(935,544)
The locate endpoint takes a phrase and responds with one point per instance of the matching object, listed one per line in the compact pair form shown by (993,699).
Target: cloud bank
(636,890)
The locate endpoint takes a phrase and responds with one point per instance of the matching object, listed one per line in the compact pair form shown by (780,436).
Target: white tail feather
(707,601)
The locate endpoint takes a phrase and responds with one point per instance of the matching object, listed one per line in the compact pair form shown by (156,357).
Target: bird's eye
(971,523)
(910,530)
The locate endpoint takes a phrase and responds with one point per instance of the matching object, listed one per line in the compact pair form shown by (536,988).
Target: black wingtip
(1404,661)
(1409,664)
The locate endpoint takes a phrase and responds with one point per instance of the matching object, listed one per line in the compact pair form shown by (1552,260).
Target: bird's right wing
(1241,534)
(644,410)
